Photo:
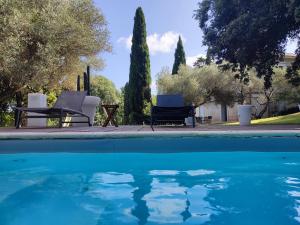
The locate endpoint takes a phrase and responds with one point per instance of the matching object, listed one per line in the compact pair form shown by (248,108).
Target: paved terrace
(141,130)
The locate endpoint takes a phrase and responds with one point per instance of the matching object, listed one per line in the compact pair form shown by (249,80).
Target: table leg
(107,120)
(113,119)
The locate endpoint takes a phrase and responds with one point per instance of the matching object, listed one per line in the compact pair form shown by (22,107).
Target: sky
(165,21)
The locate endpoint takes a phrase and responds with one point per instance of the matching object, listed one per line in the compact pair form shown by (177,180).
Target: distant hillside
(287,119)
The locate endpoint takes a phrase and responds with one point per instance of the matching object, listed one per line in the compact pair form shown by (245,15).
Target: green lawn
(277,120)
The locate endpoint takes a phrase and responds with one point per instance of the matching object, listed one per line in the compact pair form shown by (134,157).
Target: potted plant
(244,114)
(190,121)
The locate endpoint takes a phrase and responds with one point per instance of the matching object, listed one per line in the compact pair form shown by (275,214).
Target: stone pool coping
(31,135)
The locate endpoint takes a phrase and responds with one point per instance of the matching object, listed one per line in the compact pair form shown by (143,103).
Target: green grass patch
(276,120)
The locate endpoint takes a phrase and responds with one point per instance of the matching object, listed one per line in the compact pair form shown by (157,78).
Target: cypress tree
(139,76)
(179,57)
(126,103)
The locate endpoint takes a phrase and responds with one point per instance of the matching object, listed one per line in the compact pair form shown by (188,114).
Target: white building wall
(232,113)
(214,110)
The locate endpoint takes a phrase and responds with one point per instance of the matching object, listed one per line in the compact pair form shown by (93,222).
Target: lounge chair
(68,104)
(171,109)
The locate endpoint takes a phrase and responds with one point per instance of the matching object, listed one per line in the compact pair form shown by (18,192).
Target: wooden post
(19,104)
(88,80)
(84,81)
(78,83)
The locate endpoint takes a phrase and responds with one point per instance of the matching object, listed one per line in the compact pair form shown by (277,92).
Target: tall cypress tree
(179,57)
(139,76)
(126,103)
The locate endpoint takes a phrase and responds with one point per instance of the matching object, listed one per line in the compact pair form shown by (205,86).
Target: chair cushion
(70,100)
(170,101)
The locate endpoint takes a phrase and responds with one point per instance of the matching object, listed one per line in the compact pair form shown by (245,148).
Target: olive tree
(44,44)
(198,85)
(284,90)
(209,83)
(281,91)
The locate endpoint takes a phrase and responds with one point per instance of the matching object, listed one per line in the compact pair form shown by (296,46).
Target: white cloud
(164,43)
(190,60)
(157,43)
(126,41)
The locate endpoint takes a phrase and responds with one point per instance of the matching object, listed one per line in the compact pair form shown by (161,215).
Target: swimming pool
(150,180)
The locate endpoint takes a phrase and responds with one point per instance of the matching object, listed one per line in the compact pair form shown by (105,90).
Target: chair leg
(18,118)
(89,121)
(194,122)
(60,119)
(15,116)
(151,124)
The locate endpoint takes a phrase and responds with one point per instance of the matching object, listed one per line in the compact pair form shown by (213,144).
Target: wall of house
(232,113)
(215,110)
(287,60)
(257,102)
(273,109)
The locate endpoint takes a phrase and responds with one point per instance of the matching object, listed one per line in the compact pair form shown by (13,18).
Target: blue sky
(165,20)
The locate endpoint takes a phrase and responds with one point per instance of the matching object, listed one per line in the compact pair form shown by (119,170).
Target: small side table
(110,111)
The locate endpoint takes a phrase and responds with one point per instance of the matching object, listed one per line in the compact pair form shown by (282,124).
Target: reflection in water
(199,172)
(166,201)
(186,213)
(176,172)
(114,191)
(143,187)
(158,196)
(163,172)
(294,192)
(177,197)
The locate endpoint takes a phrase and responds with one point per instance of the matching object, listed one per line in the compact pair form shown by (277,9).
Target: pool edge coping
(134,134)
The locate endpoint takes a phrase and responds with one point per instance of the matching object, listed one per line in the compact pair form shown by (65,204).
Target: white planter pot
(36,100)
(189,121)
(244,114)
(89,107)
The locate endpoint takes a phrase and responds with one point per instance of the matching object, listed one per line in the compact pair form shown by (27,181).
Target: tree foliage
(139,76)
(43,44)
(201,61)
(284,90)
(209,83)
(109,94)
(179,57)
(251,34)
(198,85)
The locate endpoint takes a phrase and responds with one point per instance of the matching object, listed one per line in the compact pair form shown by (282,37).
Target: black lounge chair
(171,109)
(68,104)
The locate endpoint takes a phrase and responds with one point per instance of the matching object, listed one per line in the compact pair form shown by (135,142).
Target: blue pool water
(67,188)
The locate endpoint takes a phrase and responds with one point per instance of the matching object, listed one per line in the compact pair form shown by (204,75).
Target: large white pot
(189,121)
(36,100)
(89,107)
(244,114)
